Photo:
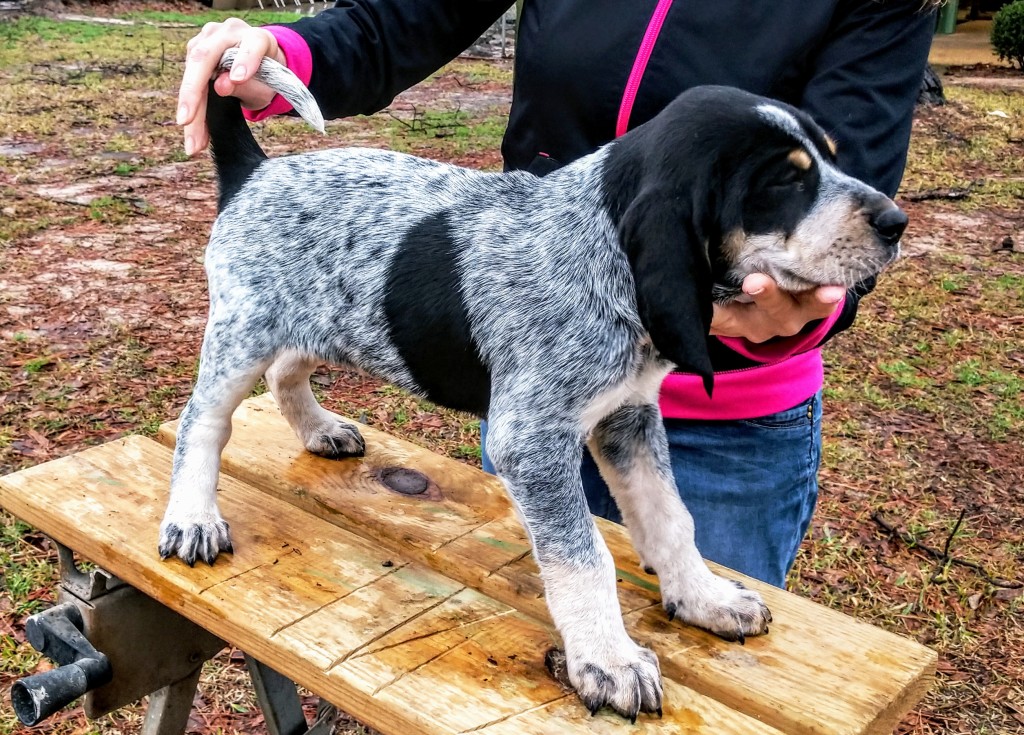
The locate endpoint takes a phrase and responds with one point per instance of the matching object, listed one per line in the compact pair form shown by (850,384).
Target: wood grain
(393,642)
(818,671)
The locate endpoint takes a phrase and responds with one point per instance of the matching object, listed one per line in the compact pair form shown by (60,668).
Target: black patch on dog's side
(429,321)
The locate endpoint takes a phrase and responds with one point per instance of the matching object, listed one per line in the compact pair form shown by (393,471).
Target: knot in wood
(404,481)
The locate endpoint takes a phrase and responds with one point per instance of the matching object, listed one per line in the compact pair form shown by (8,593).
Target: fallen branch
(929,194)
(54,73)
(943,555)
(418,122)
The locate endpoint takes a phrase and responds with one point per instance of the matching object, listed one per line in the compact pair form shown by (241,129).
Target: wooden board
(451,636)
(818,671)
(395,644)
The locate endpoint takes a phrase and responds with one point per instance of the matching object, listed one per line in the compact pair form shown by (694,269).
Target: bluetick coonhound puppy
(553,306)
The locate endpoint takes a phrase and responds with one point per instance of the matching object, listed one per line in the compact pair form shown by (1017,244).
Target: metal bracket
(83,585)
(282,708)
(150,646)
(146,647)
(278,698)
(115,645)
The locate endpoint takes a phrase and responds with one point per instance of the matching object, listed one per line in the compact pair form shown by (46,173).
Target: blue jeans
(751,486)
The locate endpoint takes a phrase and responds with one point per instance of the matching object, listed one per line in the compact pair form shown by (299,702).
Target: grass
(439,133)
(109,209)
(965,376)
(970,151)
(126,169)
(28,31)
(24,574)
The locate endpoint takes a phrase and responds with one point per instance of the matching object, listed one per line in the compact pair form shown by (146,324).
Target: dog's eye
(790,173)
(788,177)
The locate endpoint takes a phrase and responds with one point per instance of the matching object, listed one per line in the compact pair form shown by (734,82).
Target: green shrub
(1008,33)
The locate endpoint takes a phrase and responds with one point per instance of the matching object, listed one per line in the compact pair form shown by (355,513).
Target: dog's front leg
(631,450)
(540,468)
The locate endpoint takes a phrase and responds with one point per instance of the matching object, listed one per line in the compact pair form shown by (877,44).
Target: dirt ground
(920,524)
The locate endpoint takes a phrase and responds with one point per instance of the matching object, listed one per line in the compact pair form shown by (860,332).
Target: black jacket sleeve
(862,89)
(367,51)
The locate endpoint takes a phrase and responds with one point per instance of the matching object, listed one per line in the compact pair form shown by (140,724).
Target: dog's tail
(236,153)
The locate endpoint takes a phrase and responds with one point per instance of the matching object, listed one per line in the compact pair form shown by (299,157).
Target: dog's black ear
(672,274)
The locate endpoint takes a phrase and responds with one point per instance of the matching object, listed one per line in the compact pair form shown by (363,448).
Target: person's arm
(355,57)
(861,88)
(864,83)
(364,52)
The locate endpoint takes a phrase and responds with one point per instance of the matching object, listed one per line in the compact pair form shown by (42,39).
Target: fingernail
(190,145)
(182,114)
(238,72)
(755,284)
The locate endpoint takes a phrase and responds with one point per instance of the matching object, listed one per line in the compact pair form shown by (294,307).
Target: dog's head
(722,184)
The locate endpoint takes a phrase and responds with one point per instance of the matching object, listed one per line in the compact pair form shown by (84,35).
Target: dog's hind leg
(539,465)
(320,431)
(192,526)
(631,450)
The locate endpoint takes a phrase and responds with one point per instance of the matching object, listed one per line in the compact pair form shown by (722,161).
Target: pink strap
(640,65)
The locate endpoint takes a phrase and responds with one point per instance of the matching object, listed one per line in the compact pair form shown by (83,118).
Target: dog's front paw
(334,439)
(629,682)
(194,538)
(722,606)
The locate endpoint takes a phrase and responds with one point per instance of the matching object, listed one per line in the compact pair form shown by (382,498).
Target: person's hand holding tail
(203,55)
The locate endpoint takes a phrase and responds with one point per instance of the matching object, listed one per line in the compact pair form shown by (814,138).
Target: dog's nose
(889,224)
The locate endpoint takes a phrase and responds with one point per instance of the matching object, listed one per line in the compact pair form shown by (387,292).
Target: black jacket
(854,65)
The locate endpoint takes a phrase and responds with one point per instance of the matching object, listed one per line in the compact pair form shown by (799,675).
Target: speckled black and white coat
(554,307)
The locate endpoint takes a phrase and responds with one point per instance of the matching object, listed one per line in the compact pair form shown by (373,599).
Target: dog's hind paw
(721,606)
(335,439)
(195,540)
(629,687)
